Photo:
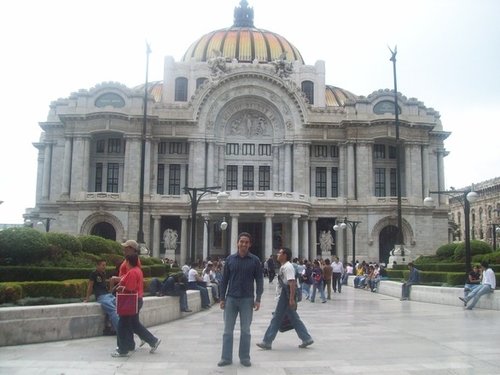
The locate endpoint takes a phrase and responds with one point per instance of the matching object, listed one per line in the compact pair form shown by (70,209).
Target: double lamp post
(468,197)
(353,225)
(195,195)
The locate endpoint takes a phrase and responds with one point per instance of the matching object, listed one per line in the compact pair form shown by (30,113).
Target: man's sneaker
(463,300)
(224,362)
(117,354)
(246,362)
(155,346)
(264,346)
(305,344)
(142,343)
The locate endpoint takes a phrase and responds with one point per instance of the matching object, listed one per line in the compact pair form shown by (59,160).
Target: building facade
(242,111)
(484,213)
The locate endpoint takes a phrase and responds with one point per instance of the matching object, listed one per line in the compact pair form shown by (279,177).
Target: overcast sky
(448,58)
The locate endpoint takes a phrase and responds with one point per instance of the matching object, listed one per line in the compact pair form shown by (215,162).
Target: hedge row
(434,278)
(442,267)
(32,273)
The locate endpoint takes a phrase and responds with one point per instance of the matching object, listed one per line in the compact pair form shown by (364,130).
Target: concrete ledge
(435,294)
(34,324)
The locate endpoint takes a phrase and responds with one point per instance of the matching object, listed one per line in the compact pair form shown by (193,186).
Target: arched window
(181,89)
(308,90)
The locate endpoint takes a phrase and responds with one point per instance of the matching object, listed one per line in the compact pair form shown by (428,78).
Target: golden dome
(336,97)
(242,42)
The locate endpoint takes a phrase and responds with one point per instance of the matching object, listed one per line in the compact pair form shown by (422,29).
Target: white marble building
(243,111)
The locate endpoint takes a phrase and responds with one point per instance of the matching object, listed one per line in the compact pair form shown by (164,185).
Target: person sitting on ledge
(488,285)
(97,286)
(413,279)
(473,280)
(195,282)
(173,285)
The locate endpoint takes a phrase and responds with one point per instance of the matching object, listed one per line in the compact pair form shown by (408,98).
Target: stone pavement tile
(357,332)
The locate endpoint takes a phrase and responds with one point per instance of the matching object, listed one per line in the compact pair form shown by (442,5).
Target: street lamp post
(223,227)
(353,224)
(140,231)
(46,223)
(400,237)
(468,196)
(195,195)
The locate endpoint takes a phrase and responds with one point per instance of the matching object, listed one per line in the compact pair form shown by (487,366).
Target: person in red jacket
(133,282)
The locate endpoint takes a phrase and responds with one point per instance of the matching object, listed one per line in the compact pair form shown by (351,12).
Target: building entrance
(387,239)
(255,230)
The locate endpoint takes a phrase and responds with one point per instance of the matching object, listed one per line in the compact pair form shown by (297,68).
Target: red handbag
(127,304)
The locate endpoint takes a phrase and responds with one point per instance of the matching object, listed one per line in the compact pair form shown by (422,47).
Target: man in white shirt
(287,304)
(488,285)
(193,283)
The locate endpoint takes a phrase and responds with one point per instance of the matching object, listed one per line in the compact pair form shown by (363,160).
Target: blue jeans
(233,307)
(129,325)
(476,294)
(321,289)
(306,289)
(468,288)
(283,308)
(108,304)
(405,289)
(205,299)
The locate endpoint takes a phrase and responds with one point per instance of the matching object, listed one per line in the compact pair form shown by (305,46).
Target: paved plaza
(357,332)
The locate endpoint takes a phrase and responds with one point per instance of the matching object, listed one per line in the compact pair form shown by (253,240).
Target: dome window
(385,106)
(181,89)
(308,90)
(110,99)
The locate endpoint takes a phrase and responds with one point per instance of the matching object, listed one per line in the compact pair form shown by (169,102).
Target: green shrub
(10,292)
(491,258)
(97,245)
(22,246)
(57,289)
(456,278)
(447,250)
(476,247)
(64,242)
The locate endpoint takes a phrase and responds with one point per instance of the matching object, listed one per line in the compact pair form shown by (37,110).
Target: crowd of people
(236,283)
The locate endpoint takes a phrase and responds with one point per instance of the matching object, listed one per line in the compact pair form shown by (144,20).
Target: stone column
(440,159)
(197,159)
(46,171)
(77,166)
(86,164)
(156,236)
(364,170)
(206,219)
(288,167)
(269,235)
(304,251)
(295,236)
(314,239)
(425,170)
(132,167)
(211,165)
(184,241)
(300,164)
(275,169)
(221,178)
(147,171)
(342,170)
(234,232)
(350,172)
(66,177)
